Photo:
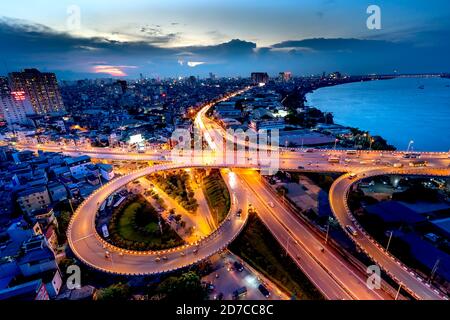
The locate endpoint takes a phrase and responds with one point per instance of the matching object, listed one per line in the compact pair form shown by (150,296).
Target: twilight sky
(180,38)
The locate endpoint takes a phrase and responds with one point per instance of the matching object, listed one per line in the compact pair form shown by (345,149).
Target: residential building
(37,257)
(260,77)
(29,291)
(106,171)
(15,107)
(41,88)
(276,123)
(57,191)
(33,199)
(44,217)
(285,76)
(78,166)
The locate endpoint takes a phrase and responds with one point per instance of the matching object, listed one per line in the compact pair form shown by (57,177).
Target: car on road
(239,293)
(238,266)
(301,167)
(264,291)
(270,203)
(411,155)
(219,296)
(239,213)
(352,176)
(351,230)
(418,163)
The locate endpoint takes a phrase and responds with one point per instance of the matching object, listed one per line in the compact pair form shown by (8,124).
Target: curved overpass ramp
(404,276)
(90,248)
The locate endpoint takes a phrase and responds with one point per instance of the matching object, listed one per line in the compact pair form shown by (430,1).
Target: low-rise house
(51,237)
(29,291)
(33,199)
(78,166)
(58,191)
(106,171)
(37,257)
(93,180)
(45,217)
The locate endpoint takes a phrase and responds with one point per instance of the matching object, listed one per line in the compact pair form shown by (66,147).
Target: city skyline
(181,154)
(177,39)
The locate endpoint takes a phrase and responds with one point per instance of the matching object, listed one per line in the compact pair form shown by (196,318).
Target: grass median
(260,249)
(135,225)
(217,195)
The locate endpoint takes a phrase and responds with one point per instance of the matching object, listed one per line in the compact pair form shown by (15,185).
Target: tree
(187,286)
(63,223)
(115,292)
(65,263)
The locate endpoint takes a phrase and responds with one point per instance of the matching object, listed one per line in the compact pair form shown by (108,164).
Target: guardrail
(106,245)
(373,173)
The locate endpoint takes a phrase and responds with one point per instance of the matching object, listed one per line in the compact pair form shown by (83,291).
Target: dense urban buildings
(204,152)
(260,77)
(56,164)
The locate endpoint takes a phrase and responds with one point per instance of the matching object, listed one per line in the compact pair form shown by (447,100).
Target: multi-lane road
(336,278)
(416,285)
(94,251)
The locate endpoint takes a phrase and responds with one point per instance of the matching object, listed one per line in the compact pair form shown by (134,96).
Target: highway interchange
(334,276)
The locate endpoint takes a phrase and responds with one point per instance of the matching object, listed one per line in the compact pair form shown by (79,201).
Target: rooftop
(25,291)
(393,211)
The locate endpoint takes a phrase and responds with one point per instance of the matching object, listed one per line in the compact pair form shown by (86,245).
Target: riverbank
(399,110)
(303,114)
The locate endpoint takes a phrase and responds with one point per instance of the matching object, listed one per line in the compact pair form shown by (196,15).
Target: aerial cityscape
(255,152)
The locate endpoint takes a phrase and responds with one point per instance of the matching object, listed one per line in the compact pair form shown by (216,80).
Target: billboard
(136,139)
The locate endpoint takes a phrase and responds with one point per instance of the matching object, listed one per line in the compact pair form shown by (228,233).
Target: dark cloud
(33,45)
(234,47)
(350,45)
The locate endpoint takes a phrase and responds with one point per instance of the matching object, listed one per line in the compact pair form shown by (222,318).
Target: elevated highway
(404,276)
(91,248)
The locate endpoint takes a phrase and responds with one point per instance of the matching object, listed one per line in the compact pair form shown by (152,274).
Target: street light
(410,145)
(328,231)
(71,207)
(398,291)
(389,241)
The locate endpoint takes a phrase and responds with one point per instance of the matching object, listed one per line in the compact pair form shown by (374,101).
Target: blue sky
(171,38)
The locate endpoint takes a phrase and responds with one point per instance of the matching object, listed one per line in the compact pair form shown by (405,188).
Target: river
(398,110)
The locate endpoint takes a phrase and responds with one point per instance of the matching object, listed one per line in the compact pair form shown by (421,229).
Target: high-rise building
(260,77)
(40,88)
(285,76)
(4,86)
(15,107)
(4,91)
